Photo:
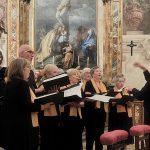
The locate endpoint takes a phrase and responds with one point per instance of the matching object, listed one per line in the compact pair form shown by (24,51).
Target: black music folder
(59,80)
(1,100)
(53,97)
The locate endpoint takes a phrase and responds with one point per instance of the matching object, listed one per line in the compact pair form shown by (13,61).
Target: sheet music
(101,98)
(73,91)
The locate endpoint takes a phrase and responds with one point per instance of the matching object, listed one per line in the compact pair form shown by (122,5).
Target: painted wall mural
(65,33)
(136,16)
(3,30)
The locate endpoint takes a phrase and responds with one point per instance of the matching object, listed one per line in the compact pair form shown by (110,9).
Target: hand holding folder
(59,80)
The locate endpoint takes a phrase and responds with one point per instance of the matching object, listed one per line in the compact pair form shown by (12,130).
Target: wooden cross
(131,45)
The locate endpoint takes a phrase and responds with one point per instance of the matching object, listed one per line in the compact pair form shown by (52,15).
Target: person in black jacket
(120,110)
(95,112)
(2,75)
(25,51)
(20,111)
(143,94)
(2,89)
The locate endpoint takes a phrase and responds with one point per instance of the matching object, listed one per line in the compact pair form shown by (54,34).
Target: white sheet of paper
(101,98)
(73,91)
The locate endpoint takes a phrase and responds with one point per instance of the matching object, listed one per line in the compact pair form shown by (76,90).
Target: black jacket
(17,112)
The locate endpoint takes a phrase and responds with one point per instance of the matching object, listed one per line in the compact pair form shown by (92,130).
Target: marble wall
(135,28)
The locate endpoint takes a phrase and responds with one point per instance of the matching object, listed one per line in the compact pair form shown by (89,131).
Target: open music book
(72,94)
(59,80)
(53,97)
(75,90)
(101,98)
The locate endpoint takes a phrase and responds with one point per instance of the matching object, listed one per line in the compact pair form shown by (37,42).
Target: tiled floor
(130,147)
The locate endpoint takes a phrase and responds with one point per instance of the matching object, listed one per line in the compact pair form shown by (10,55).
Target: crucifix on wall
(131,45)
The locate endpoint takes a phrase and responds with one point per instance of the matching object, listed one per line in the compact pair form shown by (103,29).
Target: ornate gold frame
(18,26)
(13,29)
(138,112)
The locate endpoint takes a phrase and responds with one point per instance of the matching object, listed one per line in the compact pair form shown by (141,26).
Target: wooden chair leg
(147,141)
(136,142)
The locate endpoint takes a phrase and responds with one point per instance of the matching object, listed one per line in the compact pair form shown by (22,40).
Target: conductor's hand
(39,89)
(139,65)
(130,88)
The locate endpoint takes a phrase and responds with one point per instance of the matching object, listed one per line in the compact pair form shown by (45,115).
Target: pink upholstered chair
(141,134)
(115,139)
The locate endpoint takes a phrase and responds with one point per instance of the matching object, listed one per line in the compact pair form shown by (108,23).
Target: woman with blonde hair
(20,111)
(95,112)
(50,117)
(120,112)
(72,118)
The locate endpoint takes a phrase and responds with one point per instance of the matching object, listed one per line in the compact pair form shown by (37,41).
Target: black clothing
(50,133)
(2,81)
(31,81)
(73,128)
(146,104)
(119,120)
(2,72)
(19,132)
(144,94)
(2,90)
(146,75)
(94,120)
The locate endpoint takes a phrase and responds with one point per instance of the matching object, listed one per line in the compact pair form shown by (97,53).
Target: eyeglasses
(31,52)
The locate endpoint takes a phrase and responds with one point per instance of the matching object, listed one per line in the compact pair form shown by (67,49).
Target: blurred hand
(130,89)
(125,91)
(39,89)
(55,88)
(139,65)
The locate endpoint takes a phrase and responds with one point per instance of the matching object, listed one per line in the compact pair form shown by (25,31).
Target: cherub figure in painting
(68,55)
